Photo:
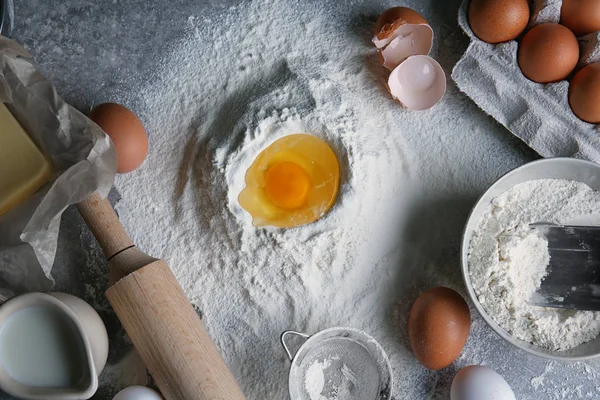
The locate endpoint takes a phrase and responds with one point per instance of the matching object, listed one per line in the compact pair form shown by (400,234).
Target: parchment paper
(538,114)
(82,158)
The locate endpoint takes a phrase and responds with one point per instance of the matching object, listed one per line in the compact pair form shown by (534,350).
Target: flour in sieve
(314,382)
(339,369)
(342,388)
(508,260)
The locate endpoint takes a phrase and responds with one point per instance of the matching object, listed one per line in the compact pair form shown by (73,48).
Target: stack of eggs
(549,52)
(403,39)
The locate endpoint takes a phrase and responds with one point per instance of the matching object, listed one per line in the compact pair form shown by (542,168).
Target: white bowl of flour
(503,261)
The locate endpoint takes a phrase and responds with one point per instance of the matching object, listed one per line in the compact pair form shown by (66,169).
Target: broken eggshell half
(400,33)
(418,83)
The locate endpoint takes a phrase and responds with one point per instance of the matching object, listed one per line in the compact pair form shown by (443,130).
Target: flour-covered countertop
(95,51)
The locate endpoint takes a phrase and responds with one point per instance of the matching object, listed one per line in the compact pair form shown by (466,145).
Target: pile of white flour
(508,260)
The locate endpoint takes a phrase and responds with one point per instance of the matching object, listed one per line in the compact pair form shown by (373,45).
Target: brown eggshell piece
(126,132)
(438,327)
(392,18)
(581,16)
(548,53)
(497,21)
(401,32)
(584,93)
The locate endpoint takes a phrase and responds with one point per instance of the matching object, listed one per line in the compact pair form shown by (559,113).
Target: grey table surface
(93,49)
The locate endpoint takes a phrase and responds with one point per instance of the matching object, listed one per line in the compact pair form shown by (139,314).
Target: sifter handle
(286,347)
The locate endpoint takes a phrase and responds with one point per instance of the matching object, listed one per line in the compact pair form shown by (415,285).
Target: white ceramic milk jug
(52,346)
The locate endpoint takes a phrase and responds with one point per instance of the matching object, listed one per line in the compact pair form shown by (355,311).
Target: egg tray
(538,114)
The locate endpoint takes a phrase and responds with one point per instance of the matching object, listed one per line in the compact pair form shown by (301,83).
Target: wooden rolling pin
(157,316)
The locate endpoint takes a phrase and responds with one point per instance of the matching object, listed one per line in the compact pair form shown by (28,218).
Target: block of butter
(23,167)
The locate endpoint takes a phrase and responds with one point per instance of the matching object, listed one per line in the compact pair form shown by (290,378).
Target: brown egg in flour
(438,327)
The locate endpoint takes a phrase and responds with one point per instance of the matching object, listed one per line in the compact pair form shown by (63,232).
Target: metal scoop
(573,279)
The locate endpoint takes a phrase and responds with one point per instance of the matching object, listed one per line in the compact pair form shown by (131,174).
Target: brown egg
(438,327)
(126,132)
(548,53)
(497,21)
(396,14)
(584,93)
(581,16)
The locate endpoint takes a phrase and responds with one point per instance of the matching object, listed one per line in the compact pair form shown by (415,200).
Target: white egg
(137,393)
(480,383)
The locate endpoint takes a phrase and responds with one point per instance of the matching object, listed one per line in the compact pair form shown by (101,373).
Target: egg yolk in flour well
(292,182)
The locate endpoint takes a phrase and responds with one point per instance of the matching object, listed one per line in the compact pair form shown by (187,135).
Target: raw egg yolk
(287,185)
(292,182)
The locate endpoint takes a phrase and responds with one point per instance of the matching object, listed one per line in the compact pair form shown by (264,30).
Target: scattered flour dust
(508,261)
(239,81)
(209,115)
